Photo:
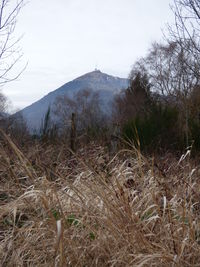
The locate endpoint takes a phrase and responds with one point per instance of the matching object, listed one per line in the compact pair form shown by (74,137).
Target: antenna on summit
(96,69)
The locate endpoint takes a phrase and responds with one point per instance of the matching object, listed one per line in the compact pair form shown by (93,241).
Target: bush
(156,130)
(194,127)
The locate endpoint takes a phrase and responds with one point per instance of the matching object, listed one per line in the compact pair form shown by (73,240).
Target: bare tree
(170,69)
(10,52)
(173,73)
(3,103)
(85,104)
(187,20)
(133,102)
(186,31)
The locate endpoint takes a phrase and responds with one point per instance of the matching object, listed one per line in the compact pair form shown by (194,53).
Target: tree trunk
(73,133)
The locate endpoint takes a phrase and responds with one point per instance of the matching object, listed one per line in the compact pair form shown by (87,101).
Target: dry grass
(89,210)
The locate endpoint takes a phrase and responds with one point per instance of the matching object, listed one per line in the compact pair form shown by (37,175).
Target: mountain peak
(97,75)
(94,73)
(96,70)
(106,86)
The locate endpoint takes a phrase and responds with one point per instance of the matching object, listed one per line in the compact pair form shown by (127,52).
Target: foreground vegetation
(93,209)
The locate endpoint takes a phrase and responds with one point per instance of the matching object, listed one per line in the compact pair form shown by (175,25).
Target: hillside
(105,84)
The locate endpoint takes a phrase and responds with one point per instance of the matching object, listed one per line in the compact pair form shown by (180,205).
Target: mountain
(3,115)
(106,85)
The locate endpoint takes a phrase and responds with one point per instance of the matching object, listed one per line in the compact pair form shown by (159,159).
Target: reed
(87,209)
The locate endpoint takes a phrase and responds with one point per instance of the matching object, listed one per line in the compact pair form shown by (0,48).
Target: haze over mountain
(106,85)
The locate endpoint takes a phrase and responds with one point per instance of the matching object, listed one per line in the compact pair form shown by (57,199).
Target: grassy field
(93,209)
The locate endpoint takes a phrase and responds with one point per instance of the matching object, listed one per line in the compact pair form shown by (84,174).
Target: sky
(64,39)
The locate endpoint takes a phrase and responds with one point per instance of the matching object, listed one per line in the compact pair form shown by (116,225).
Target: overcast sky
(64,39)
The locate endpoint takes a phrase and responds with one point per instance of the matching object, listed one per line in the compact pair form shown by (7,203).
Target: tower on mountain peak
(97,70)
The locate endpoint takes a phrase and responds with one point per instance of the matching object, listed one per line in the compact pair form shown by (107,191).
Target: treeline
(161,108)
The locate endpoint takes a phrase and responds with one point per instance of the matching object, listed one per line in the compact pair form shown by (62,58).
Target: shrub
(194,127)
(157,129)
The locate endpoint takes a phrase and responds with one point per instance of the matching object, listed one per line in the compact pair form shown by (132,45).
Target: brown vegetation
(92,210)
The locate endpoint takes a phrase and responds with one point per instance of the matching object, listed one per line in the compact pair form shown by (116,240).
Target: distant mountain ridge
(106,85)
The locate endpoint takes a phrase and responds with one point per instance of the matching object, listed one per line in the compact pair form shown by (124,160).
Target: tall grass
(87,209)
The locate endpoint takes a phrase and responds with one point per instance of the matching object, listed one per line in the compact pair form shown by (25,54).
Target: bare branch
(10,53)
